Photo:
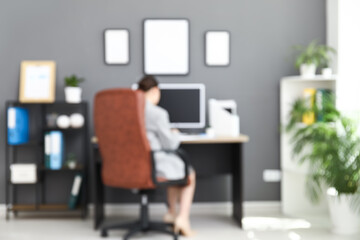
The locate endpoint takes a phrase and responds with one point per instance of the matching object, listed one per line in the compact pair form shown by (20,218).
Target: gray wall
(262,33)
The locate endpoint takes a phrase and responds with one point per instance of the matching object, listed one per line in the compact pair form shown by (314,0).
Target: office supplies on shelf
(17,125)
(18,198)
(23,173)
(322,97)
(75,190)
(222,117)
(51,119)
(56,150)
(63,121)
(76,120)
(309,95)
(47,149)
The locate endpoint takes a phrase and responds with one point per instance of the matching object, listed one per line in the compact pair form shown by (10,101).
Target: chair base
(137,227)
(142,225)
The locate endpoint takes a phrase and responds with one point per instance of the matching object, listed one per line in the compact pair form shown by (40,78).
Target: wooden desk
(222,155)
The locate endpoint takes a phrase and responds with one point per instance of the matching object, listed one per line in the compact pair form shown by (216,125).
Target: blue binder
(56,150)
(17,125)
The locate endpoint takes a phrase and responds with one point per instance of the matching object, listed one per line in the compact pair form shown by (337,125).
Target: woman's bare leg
(186,198)
(173,196)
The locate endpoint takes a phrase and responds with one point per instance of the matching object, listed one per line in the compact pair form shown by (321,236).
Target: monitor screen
(185,104)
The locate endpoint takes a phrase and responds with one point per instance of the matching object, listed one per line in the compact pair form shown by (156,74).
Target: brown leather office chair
(127,160)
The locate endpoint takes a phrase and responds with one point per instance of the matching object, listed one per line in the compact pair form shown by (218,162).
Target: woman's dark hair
(147,82)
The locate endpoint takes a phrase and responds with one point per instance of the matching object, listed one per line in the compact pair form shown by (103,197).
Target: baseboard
(249,207)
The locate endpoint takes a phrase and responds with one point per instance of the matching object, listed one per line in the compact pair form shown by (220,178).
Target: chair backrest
(119,119)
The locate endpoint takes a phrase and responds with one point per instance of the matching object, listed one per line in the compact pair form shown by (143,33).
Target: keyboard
(192,136)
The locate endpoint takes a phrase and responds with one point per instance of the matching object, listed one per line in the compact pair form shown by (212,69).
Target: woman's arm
(168,139)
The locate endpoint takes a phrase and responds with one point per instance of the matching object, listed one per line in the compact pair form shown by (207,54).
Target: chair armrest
(183,156)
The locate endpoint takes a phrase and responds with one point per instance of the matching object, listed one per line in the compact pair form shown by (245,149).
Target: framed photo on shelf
(37,82)
(217,48)
(116,46)
(166,46)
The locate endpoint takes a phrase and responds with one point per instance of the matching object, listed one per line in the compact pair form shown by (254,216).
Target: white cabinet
(293,191)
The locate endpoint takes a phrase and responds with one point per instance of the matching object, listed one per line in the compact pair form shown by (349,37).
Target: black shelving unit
(52,190)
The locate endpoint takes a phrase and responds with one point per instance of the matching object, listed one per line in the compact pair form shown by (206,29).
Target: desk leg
(99,203)
(237,184)
(98,190)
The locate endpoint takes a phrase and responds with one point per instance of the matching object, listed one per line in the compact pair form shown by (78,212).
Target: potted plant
(72,89)
(312,56)
(325,59)
(333,160)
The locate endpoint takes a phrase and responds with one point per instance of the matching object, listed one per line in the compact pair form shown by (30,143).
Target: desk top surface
(201,140)
(238,139)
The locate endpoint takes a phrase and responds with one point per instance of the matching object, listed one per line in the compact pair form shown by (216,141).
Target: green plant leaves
(330,147)
(314,53)
(73,81)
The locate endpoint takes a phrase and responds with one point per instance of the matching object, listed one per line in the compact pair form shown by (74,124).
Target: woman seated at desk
(168,165)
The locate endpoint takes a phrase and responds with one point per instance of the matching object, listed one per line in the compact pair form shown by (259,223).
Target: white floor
(213,225)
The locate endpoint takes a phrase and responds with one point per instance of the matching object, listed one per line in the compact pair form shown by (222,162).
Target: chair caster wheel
(104,233)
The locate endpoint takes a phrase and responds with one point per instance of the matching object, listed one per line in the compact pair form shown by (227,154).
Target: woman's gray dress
(168,165)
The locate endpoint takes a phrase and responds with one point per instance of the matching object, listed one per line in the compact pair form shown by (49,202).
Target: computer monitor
(185,103)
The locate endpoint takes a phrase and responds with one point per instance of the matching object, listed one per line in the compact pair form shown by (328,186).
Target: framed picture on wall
(217,48)
(116,46)
(166,46)
(37,82)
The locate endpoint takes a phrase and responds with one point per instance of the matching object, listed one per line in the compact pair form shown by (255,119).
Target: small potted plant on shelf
(325,53)
(72,89)
(331,148)
(312,56)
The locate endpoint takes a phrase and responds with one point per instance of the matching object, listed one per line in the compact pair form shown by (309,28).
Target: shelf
(23,184)
(294,175)
(65,169)
(78,143)
(63,129)
(47,104)
(43,207)
(309,79)
(29,144)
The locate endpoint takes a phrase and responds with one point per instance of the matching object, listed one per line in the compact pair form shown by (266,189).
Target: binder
(17,125)
(47,149)
(309,95)
(323,98)
(74,196)
(56,150)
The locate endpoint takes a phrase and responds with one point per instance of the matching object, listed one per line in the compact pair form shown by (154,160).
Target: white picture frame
(166,46)
(116,46)
(217,48)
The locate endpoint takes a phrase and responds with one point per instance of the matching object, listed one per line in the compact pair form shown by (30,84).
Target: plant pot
(326,72)
(344,219)
(307,70)
(73,94)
